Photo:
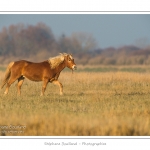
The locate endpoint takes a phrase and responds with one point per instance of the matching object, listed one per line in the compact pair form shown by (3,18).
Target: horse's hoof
(5,93)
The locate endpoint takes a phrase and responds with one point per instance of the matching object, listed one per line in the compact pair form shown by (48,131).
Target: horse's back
(28,64)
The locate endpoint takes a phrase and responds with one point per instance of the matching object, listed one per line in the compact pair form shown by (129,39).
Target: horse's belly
(33,77)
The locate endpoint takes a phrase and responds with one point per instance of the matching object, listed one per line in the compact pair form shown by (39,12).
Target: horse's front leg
(45,82)
(56,82)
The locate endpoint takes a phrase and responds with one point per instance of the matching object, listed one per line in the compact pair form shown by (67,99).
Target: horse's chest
(55,76)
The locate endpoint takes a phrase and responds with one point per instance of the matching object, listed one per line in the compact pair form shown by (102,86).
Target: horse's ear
(67,56)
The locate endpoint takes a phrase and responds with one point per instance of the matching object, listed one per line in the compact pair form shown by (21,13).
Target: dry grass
(114,103)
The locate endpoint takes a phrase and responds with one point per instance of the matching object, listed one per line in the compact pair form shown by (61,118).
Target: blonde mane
(57,60)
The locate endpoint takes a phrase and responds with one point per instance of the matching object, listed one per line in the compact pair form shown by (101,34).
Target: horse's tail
(7,74)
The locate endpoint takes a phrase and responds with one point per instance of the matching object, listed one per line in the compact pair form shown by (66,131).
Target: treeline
(38,42)
(126,55)
(20,41)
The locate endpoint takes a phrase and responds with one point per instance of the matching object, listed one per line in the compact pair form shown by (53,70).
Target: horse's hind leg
(20,82)
(11,80)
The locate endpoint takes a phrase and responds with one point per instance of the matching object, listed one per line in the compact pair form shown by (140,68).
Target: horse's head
(70,62)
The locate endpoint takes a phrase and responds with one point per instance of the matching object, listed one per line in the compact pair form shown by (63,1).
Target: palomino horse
(46,71)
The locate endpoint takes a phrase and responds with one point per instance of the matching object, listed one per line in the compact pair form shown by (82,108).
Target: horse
(46,71)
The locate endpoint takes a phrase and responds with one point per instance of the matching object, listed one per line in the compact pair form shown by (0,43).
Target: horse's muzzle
(74,67)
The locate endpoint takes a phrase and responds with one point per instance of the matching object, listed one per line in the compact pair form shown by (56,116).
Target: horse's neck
(60,67)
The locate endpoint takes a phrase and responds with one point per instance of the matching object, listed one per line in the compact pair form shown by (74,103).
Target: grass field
(94,103)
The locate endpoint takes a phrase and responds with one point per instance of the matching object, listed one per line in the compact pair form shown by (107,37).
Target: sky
(109,30)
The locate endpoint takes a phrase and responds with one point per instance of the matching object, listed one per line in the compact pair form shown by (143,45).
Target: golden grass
(114,103)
